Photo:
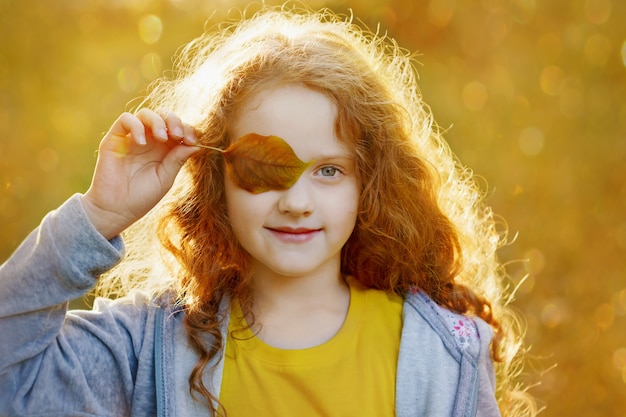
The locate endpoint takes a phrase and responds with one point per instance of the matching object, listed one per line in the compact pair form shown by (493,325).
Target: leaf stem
(209,147)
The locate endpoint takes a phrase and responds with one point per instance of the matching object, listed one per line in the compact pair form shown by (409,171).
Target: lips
(293,234)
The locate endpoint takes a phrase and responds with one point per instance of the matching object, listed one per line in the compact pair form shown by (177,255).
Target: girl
(366,284)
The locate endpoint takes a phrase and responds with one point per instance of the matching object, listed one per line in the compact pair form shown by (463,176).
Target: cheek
(354,192)
(349,206)
(244,209)
(234,205)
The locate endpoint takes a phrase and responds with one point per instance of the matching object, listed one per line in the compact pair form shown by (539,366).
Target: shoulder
(130,317)
(444,356)
(459,333)
(128,314)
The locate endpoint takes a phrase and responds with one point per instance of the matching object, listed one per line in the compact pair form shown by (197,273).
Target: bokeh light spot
(618,301)
(440,12)
(128,79)
(597,50)
(598,11)
(523,10)
(475,95)
(184,5)
(531,141)
(574,36)
(150,28)
(498,27)
(551,80)
(551,315)
(151,66)
(619,361)
(605,315)
(536,261)
(387,15)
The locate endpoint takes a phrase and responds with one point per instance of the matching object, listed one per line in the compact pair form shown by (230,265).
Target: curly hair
(421,222)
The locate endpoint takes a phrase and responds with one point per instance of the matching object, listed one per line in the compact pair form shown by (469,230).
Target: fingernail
(141,139)
(178,132)
(191,139)
(161,133)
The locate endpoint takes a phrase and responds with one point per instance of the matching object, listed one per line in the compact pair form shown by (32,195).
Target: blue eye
(328,171)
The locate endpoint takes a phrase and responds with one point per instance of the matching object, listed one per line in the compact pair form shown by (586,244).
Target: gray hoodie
(130,356)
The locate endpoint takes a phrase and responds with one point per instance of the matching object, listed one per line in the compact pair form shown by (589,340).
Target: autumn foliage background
(531,93)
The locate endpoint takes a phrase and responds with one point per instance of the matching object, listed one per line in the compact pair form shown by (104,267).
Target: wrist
(104,221)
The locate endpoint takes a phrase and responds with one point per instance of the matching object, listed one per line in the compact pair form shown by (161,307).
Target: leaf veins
(260,163)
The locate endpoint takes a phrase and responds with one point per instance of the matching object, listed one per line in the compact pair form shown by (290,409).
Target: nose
(297,200)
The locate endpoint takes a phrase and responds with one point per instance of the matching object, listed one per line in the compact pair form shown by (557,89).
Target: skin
(295,236)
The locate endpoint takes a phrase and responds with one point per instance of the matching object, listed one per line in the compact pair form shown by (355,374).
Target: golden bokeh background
(532,94)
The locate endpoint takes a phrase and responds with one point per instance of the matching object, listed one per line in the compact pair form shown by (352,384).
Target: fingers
(162,127)
(154,125)
(175,159)
(181,132)
(167,126)
(129,125)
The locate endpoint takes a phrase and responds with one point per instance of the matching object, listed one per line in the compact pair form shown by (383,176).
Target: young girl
(366,283)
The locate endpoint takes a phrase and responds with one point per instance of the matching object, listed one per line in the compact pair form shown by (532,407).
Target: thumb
(175,160)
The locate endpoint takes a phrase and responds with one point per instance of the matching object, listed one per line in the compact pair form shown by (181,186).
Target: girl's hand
(138,160)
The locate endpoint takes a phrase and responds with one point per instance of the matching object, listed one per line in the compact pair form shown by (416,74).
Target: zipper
(158,363)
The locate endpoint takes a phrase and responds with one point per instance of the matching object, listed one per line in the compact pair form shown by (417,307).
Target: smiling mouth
(291,230)
(294,235)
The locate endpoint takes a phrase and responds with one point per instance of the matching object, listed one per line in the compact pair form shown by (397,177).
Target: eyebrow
(323,156)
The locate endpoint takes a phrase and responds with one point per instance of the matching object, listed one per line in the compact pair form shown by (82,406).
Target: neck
(320,288)
(299,311)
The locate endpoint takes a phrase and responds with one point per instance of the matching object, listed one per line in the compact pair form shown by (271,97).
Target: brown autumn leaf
(260,163)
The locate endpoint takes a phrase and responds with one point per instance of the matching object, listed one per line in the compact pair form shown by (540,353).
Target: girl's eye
(328,171)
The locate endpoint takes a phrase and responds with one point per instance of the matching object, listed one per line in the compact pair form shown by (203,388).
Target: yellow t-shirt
(352,374)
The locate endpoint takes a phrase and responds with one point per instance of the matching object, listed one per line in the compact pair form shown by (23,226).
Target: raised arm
(40,346)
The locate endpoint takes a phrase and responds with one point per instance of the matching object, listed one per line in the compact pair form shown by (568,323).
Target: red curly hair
(420,226)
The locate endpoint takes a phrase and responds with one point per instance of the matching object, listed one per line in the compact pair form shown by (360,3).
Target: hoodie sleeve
(52,362)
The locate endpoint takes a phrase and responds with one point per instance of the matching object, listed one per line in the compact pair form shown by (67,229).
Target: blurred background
(532,94)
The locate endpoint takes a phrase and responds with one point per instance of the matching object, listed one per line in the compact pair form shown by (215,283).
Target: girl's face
(301,230)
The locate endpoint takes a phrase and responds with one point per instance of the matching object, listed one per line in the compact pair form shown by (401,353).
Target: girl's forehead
(305,118)
(289,106)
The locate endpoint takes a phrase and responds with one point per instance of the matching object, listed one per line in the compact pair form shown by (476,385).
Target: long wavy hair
(421,223)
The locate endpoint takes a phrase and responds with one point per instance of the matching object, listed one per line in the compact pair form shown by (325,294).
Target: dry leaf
(259,163)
